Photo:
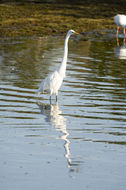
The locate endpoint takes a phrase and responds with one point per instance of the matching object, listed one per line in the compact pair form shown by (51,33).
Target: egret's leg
(50,99)
(117,32)
(124,32)
(56,97)
(117,41)
(124,41)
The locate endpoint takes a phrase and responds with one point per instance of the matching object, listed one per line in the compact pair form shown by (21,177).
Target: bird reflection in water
(54,116)
(120,50)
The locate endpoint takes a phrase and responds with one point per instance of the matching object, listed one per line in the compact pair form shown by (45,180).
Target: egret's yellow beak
(77,33)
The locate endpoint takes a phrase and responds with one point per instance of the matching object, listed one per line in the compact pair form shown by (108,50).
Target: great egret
(53,81)
(120,20)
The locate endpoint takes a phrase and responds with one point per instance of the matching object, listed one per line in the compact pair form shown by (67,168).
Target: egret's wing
(51,83)
(116,19)
(120,20)
(44,85)
(55,82)
(123,20)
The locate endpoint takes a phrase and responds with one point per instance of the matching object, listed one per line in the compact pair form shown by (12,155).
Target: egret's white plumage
(120,20)
(53,81)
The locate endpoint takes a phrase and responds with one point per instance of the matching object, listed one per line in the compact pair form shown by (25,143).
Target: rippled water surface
(77,143)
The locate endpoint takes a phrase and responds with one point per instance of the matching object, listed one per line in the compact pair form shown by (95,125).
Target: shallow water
(77,143)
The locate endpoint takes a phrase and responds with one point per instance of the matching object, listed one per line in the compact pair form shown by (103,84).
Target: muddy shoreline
(53,19)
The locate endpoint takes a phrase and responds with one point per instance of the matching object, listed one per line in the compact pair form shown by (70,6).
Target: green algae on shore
(50,19)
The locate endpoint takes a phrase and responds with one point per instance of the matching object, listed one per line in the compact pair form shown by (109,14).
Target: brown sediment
(52,19)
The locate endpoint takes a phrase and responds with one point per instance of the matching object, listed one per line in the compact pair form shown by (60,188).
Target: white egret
(53,81)
(120,20)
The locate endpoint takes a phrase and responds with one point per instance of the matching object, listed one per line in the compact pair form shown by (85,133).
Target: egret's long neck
(62,66)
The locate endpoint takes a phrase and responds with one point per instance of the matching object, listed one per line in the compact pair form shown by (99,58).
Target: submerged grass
(48,19)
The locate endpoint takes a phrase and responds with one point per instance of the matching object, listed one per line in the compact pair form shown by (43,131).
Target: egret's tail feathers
(38,93)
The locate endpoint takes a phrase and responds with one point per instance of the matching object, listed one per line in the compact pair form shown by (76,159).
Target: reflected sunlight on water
(83,137)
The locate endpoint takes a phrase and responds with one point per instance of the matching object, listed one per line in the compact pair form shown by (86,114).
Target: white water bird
(120,20)
(53,81)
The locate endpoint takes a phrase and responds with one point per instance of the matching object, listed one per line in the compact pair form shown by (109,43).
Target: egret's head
(70,32)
